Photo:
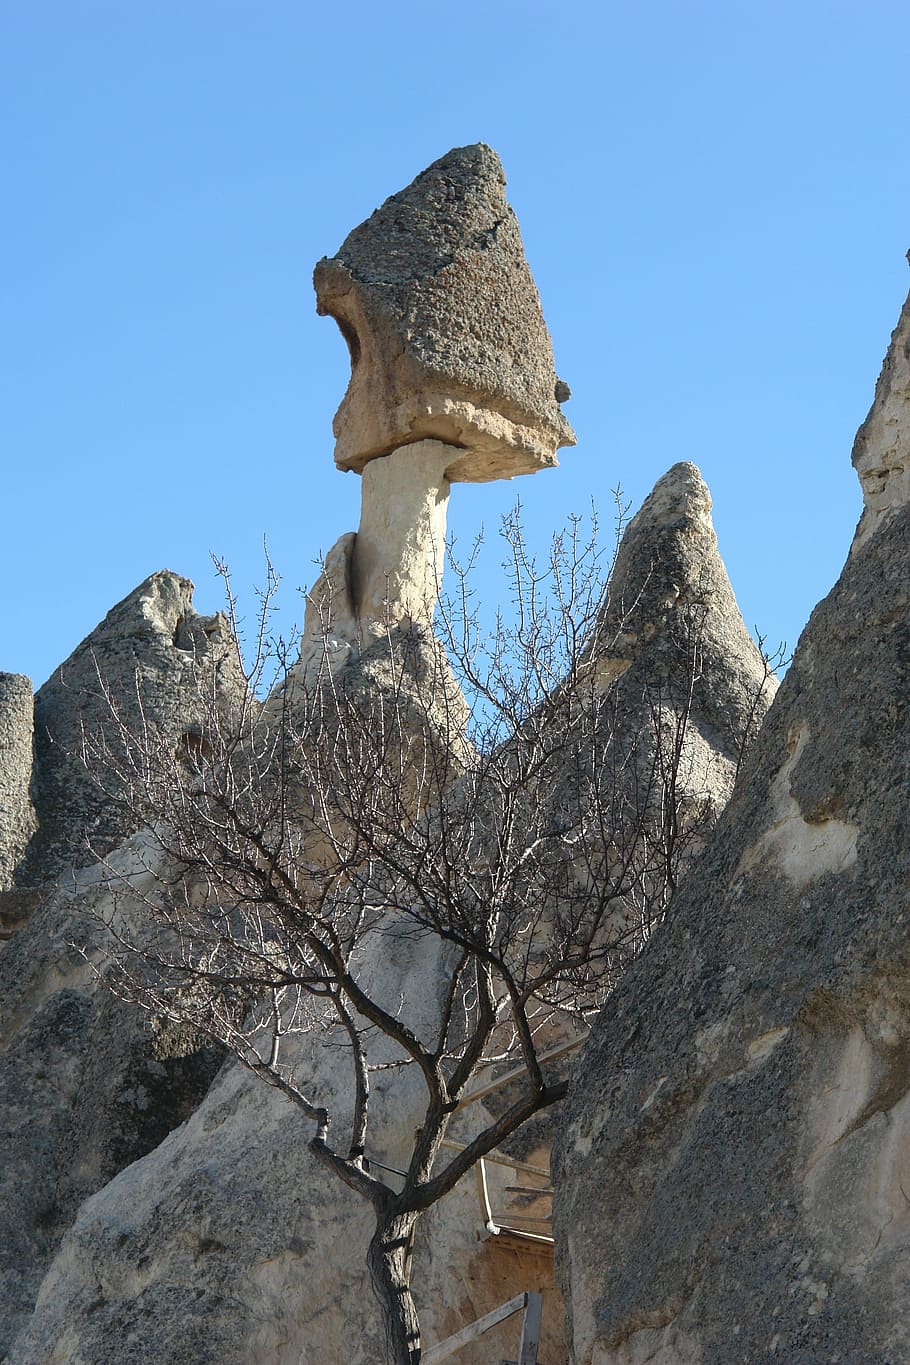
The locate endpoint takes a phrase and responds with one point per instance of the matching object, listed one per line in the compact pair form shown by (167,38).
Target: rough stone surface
(400,550)
(671,623)
(368,627)
(365,676)
(388,574)
(734,1155)
(442,319)
(678,691)
(670,660)
(881,452)
(86,1087)
(229,1242)
(158,663)
(17,814)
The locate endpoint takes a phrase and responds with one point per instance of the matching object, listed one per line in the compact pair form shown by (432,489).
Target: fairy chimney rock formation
(255,1248)
(87,1084)
(452,380)
(443,322)
(152,662)
(670,595)
(734,1156)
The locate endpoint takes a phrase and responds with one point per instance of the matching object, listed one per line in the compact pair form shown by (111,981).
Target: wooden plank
(517,1071)
(447,1348)
(496,1159)
(500,1219)
(530,1330)
(539,1241)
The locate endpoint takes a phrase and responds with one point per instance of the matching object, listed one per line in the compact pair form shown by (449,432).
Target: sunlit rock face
(733,1159)
(675,690)
(229,1242)
(86,1087)
(881,452)
(671,619)
(443,322)
(153,661)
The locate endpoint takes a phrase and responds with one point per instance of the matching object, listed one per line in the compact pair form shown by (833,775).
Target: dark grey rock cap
(443,321)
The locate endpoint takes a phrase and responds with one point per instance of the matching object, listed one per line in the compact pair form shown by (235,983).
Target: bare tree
(527,814)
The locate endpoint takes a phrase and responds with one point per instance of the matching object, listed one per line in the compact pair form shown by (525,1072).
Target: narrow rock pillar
(400,547)
(17,815)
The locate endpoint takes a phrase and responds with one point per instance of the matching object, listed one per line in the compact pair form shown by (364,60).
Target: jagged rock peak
(678,494)
(443,322)
(669,595)
(147,658)
(159,610)
(668,551)
(881,451)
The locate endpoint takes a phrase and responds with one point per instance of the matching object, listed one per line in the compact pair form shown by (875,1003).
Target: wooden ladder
(532,1305)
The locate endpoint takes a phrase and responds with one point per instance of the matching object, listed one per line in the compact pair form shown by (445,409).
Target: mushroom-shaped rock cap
(442,318)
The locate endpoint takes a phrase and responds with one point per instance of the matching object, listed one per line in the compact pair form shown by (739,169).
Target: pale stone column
(390,572)
(397,564)
(452,381)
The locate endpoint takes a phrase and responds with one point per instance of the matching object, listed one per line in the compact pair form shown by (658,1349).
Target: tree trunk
(389,1262)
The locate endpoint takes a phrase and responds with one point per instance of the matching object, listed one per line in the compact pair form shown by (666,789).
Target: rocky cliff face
(229,1242)
(86,1086)
(152,661)
(731,1169)
(671,645)
(733,1159)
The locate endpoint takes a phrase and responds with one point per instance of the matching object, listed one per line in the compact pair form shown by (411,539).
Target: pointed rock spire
(146,660)
(669,596)
(881,452)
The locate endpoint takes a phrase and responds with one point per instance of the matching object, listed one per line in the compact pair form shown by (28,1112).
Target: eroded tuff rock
(881,452)
(388,574)
(451,379)
(678,691)
(86,1086)
(229,1242)
(443,322)
(733,1162)
(154,661)
(671,624)
(672,691)
(17,814)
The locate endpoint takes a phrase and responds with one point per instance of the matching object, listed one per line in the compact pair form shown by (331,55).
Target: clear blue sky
(714,199)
